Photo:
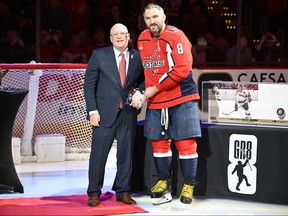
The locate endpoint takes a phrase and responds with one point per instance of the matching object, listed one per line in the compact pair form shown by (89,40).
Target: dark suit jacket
(103,89)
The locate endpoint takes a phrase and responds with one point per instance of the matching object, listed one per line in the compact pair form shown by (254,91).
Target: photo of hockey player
(245,103)
(242,100)
(216,95)
(215,91)
(230,101)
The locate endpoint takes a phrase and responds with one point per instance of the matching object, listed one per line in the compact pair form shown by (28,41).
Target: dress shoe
(93,201)
(126,199)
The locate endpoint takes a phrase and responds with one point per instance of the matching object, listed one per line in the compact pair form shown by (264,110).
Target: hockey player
(215,91)
(172,102)
(242,100)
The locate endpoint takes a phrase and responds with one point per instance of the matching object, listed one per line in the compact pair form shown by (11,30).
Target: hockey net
(54,105)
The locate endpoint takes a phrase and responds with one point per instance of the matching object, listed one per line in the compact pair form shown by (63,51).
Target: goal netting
(54,105)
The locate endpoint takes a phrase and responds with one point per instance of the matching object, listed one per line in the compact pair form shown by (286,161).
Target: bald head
(117,28)
(119,36)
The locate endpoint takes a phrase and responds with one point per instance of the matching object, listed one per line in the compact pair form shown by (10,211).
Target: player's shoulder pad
(173,30)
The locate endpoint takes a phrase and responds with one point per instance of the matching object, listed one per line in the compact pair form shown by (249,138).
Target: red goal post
(54,105)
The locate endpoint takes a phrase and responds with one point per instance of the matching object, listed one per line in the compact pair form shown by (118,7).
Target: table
(10,103)
(267,169)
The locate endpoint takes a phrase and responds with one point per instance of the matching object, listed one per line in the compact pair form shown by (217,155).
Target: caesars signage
(242,75)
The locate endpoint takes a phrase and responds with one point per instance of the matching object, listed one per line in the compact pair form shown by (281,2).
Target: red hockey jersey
(167,62)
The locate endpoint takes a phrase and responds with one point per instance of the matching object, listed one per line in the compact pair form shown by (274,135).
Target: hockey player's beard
(155,29)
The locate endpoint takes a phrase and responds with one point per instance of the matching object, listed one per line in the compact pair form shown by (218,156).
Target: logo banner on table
(242,171)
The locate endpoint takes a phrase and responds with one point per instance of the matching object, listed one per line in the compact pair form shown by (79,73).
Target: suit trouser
(102,140)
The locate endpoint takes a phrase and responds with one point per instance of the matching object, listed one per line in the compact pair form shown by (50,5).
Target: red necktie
(122,71)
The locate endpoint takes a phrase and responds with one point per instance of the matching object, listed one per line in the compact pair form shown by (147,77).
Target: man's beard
(155,29)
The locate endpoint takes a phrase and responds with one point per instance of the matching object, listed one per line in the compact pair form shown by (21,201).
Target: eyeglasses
(119,33)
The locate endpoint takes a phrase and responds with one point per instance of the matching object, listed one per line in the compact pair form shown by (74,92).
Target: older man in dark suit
(110,114)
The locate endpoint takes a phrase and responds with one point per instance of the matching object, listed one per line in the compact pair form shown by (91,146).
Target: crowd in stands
(71,29)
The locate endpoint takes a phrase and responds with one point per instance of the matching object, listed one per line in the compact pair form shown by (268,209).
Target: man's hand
(95,120)
(137,100)
(150,92)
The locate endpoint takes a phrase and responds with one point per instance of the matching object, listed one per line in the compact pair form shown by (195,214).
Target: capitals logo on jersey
(152,63)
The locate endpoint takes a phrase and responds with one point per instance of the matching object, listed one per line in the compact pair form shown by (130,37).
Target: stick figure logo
(240,173)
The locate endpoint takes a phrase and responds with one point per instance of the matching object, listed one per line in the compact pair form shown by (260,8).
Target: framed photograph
(245,103)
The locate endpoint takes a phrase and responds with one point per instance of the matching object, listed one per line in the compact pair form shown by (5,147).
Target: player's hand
(95,120)
(150,92)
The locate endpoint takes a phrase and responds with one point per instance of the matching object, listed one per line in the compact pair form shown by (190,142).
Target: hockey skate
(187,194)
(161,192)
